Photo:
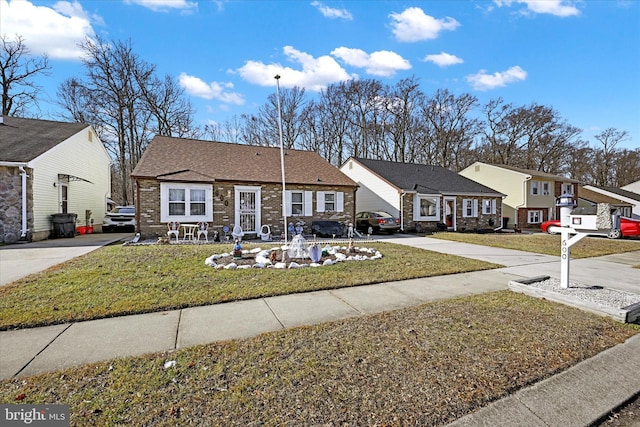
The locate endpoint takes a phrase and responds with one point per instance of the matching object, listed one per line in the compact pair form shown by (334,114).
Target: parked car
(628,227)
(378,221)
(120,217)
(328,228)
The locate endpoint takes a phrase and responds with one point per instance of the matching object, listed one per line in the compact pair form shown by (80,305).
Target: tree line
(123,98)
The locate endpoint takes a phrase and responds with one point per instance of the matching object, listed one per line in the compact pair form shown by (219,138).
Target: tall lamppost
(284,193)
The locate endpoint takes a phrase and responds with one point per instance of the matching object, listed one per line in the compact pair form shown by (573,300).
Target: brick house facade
(236,184)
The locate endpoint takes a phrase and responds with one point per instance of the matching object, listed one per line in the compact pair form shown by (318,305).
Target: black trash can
(505,221)
(64,224)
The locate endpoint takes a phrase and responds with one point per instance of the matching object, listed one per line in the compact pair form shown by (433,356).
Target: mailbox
(600,217)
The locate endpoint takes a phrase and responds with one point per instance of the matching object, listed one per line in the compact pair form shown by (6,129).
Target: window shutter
(475,207)
(494,202)
(320,201)
(287,202)
(339,201)
(308,203)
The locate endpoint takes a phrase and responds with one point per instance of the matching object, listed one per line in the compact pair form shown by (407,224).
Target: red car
(628,227)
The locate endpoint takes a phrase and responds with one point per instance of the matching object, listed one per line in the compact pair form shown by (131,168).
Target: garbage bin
(505,221)
(64,224)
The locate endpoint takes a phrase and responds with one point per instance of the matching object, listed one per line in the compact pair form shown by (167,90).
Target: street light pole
(284,193)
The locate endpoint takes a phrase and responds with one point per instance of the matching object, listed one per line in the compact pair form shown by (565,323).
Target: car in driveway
(628,227)
(119,218)
(378,221)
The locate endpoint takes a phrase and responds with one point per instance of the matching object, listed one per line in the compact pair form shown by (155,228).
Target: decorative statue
(237,250)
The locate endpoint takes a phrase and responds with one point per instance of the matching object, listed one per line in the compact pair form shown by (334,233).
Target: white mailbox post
(575,224)
(569,236)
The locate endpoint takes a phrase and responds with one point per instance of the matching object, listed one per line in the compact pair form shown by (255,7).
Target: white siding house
(67,170)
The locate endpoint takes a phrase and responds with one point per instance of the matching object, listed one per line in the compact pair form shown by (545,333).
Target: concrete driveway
(21,259)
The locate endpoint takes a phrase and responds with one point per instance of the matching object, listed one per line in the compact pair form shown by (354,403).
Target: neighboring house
(590,198)
(634,187)
(424,197)
(46,168)
(622,195)
(228,184)
(531,195)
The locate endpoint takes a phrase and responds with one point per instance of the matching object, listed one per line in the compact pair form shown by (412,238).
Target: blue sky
(580,57)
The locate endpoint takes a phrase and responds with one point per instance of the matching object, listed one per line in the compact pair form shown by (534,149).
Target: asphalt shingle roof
(537,174)
(620,192)
(179,159)
(22,140)
(425,178)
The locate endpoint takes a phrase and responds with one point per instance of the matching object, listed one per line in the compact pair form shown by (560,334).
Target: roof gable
(618,191)
(179,159)
(426,179)
(22,140)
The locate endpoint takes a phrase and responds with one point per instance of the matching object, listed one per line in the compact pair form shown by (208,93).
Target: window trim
(187,187)
(534,211)
(417,216)
(474,208)
(338,201)
(492,206)
(307,201)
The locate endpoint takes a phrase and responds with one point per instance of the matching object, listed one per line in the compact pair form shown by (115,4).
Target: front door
(449,213)
(247,208)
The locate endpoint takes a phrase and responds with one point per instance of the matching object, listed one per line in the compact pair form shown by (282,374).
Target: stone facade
(149,224)
(11,203)
(480,222)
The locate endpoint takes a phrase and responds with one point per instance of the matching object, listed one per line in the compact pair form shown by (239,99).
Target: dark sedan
(378,221)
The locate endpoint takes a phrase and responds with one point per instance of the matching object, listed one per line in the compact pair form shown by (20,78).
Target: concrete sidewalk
(578,396)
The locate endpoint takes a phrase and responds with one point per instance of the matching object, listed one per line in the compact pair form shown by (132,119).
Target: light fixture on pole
(284,193)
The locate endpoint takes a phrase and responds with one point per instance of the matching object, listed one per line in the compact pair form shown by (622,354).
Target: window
(546,188)
(297,205)
(535,188)
(329,201)
(198,205)
(177,201)
(469,208)
(488,206)
(567,188)
(427,208)
(186,202)
(534,217)
(298,202)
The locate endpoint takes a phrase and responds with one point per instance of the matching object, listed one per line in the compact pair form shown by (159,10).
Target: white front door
(449,213)
(247,208)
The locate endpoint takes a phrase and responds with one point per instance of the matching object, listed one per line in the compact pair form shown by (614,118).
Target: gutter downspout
(23,173)
(402,211)
(524,198)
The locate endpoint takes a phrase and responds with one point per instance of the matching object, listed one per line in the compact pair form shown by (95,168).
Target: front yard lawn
(425,365)
(544,243)
(121,280)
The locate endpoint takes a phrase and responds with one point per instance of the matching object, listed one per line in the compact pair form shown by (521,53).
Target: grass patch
(461,354)
(121,280)
(544,243)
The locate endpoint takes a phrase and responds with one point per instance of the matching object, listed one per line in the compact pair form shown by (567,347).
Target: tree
(606,155)
(17,71)
(126,103)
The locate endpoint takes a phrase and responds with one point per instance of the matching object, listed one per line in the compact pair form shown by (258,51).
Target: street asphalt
(577,397)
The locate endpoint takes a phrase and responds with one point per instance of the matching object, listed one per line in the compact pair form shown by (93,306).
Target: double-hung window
(469,208)
(186,202)
(546,188)
(329,201)
(488,206)
(298,202)
(535,187)
(534,217)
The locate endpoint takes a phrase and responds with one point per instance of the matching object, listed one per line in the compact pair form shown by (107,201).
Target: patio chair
(173,229)
(203,230)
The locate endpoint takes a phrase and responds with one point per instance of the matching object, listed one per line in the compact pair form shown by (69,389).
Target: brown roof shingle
(178,159)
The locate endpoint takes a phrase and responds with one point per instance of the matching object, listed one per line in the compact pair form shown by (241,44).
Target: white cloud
(553,7)
(54,31)
(483,81)
(443,59)
(196,87)
(329,12)
(413,25)
(165,5)
(316,73)
(381,63)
